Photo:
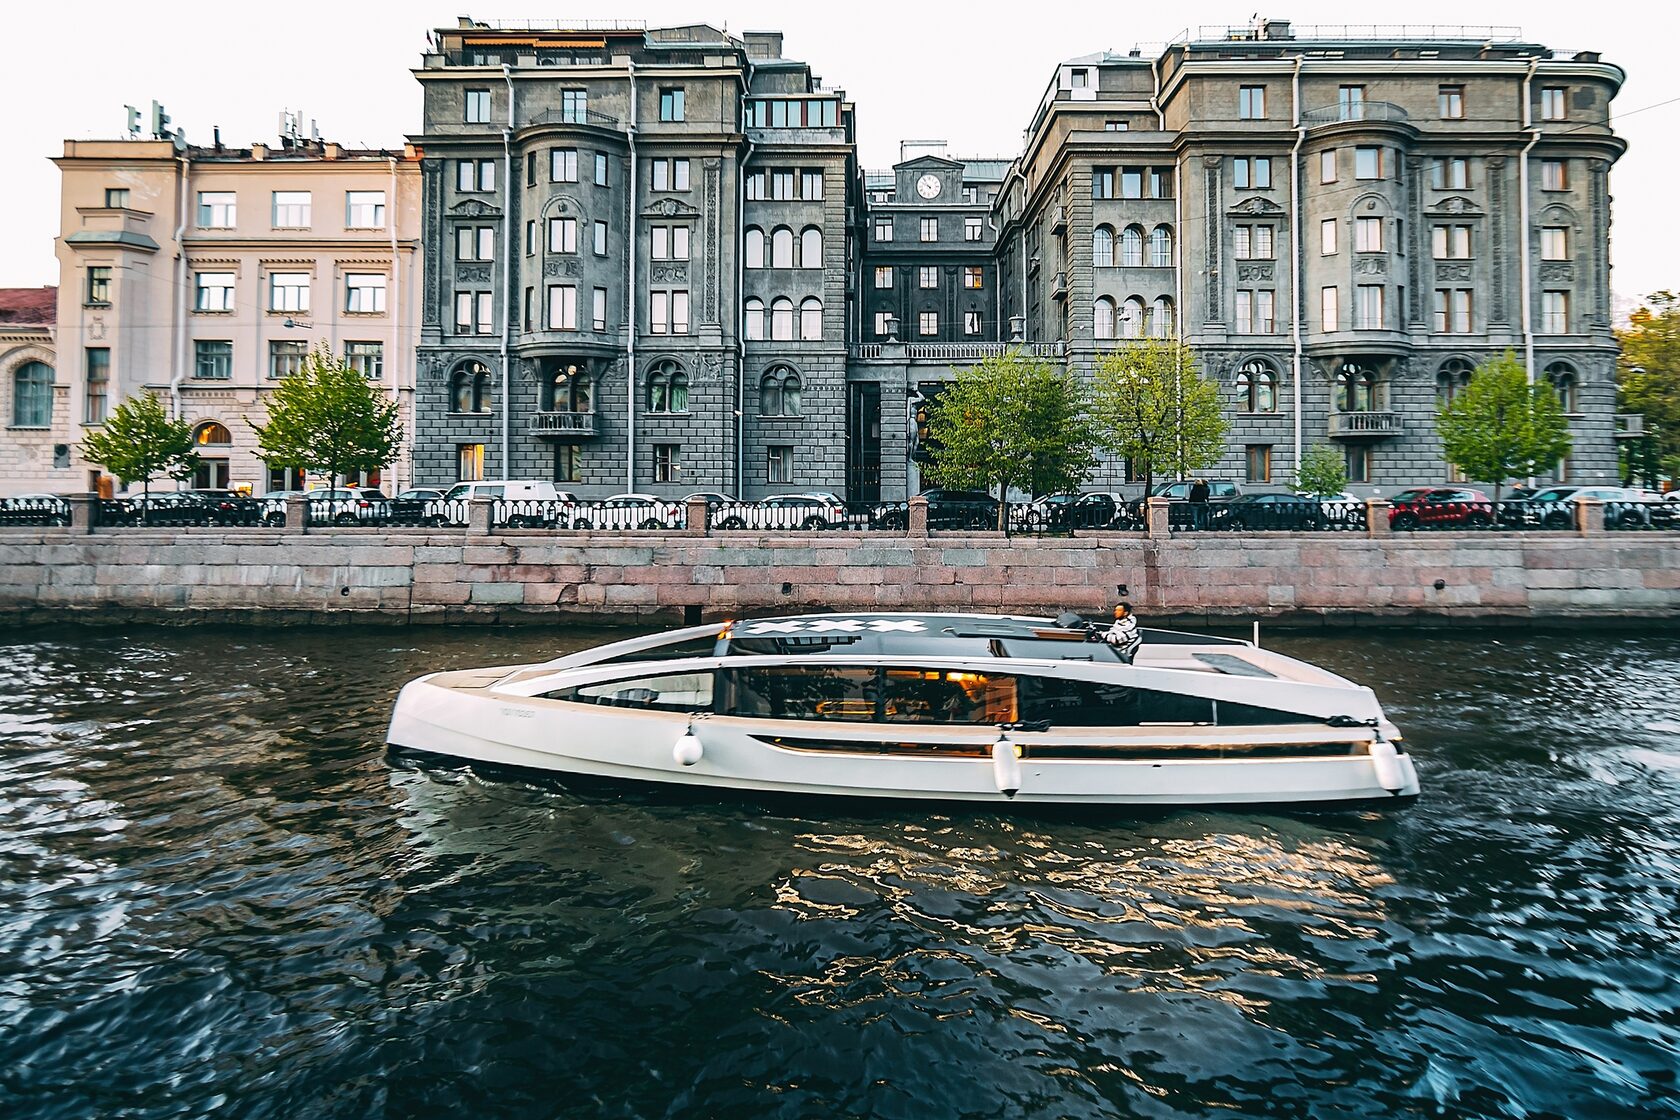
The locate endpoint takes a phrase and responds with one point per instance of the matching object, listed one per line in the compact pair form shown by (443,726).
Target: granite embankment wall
(345,575)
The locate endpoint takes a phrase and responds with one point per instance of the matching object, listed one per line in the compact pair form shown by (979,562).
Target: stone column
(297,513)
(918,516)
(1589,517)
(480,513)
(1158,519)
(699,518)
(84,511)
(1376,518)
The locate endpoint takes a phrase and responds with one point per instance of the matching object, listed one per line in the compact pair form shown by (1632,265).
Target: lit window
(973,277)
(927,276)
(883,276)
(927,323)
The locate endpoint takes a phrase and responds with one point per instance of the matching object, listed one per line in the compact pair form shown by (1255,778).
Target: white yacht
(949,707)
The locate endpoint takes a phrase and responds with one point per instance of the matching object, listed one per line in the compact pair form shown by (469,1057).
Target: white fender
(687,750)
(1006,766)
(1386,761)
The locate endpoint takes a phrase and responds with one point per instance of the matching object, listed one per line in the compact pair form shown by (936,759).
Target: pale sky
(970,73)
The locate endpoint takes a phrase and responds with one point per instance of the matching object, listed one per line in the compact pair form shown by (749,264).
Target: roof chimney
(763,44)
(1275,29)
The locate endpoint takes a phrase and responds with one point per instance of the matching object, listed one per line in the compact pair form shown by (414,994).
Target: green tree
(1322,474)
(1501,427)
(139,440)
(1010,420)
(1153,406)
(328,419)
(1650,382)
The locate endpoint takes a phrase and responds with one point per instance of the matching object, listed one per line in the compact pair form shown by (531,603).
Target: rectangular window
(116,198)
(469,462)
(1329,310)
(927,276)
(1554,175)
(485,314)
(1160,182)
(973,230)
(973,277)
(1449,174)
(463,312)
(971,322)
(883,276)
(1554,243)
(567,462)
(930,229)
(1131,182)
(811,185)
(475,176)
(291,209)
(530,169)
(530,303)
(562,307)
(668,312)
(1255,312)
(602,171)
(530,237)
(598,316)
(562,235)
(1358,463)
(1450,102)
(364,209)
(1102,182)
(475,243)
(1367,235)
(1551,104)
(288,291)
(881,318)
(562,165)
(1327,237)
(1367,163)
(1450,243)
(927,323)
(474,313)
(883,229)
(1259,462)
(778,463)
(478,106)
(671,104)
(574,106)
(217,210)
(1251,103)
(285,358)
(757,186)
(1245,312)
(364,293)
(1115,126)
(98,360)
(213,291)
(366,358)
(1327,166)
(1253,243)
(600,239)
(781,185)
(1554,312)
(99,284)
(1452,310)
(1368,307)
(1350,103)
(213,359)
(667,462)
(1251,173)
(669,243)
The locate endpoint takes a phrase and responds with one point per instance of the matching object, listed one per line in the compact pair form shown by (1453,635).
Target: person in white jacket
(1124,635)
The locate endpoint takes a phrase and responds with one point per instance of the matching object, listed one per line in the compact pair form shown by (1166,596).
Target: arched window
(1160,247)
(810,248)
(1256,387)
(810,319)
(755,320)
(779,392)
(781,319)
(781,248)
(1102,318)
(1161,318)
(1131,318)
(667,388)
(1131,247)
(583,393)
(1356,388)
(1451,381)
(567,389)
(32,386)
(212,434)
(1562,377)
(469,388)
(1102,247)
(755,247)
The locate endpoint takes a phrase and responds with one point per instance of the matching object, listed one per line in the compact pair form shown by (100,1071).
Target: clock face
(927,186)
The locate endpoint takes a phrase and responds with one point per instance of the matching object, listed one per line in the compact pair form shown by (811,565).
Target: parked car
(714,500)
(623,511)
(347,506)
(1624,506)
(785,511)
(1097,509)
(273,506)
(1440,506)
(1219,490)
(164,508)
(947,509)
(409,507)
(225,507)
(1286,511)
(34,509)
(533,501)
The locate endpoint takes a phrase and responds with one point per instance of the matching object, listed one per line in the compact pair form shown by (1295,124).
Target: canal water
(218,896)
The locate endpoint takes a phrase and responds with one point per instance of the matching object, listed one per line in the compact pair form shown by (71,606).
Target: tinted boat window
(674,692)
(946,696)
(1232,714)
(704,646)
(800,692)
(1097,704)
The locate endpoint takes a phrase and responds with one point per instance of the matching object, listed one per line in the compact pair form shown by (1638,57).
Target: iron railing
(1298,516)
(34,510)
(618,515)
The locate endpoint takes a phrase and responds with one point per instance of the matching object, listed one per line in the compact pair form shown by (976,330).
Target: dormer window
(1079,78)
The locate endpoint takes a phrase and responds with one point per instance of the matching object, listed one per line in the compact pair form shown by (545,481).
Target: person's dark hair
(1124,603)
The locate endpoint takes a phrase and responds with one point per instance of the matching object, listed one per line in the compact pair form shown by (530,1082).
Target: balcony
(1059,219)
(1630,425)
(564,425)
(1364,111)
(1059,286)
(1364,425)
(952,351)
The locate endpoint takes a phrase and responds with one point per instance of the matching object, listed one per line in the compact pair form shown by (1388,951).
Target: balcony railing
(563,425)
(1059,286)
(1059,220)
(953,351)
(1367,425)
(1363,111)
(572,116)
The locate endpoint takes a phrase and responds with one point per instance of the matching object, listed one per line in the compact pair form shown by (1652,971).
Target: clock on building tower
(928,186)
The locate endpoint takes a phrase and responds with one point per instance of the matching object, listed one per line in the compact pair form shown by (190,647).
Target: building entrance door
(863,442)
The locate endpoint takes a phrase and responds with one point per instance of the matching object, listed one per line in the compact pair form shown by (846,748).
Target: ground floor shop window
(469,462)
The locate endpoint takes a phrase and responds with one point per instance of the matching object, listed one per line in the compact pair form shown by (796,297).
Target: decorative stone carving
(1457,205)
(1370,266)
(1215,241)
(671,208)
(1496,237)
(431,171)
(1452,272)
(571,266)
(551,267)
(96,328)
(1256,270)
(670,274)
(714,174)
(472,274)
(1255,207)
(1212,162)
(1554,271)
(708,369)
(474,208)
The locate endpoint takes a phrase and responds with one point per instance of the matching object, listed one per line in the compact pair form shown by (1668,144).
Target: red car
(1440,507)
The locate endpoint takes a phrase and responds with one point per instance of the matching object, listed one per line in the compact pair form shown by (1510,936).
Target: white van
(535,499)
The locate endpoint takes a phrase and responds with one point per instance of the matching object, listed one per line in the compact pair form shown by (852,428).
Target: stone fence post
(84,511)
(480,514)
(918,516)
(1376,518)
(297,513)
(698,520)
(1158,519)
(1589,516)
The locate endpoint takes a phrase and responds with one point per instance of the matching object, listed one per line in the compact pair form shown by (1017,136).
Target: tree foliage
(140,441)
(1650,377)
(1322,474)
(1153,406)
(1011,420)
(1501,427)
(328,419)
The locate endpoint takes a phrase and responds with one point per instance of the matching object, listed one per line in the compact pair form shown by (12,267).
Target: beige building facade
(204,275)
(34,453)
